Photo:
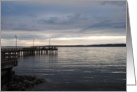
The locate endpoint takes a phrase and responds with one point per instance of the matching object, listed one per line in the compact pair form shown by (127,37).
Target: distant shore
(96,45)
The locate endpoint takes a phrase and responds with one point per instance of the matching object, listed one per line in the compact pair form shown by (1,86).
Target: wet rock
(21,83)
(23,89)
(38,81)
(33,78)
(4,88)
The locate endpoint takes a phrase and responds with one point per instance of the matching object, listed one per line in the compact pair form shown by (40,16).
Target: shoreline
(33,83)
(79,87)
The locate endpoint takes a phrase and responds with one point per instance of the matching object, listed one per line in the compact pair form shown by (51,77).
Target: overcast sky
(65,23)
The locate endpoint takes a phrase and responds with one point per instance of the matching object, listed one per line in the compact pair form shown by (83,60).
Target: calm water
(78,65)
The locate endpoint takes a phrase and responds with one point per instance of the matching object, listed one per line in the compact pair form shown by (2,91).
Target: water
(81,66)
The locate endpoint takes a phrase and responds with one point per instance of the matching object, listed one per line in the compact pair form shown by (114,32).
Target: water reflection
(53,59)
(82,66)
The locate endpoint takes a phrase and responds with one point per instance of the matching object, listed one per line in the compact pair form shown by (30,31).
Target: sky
(65,23)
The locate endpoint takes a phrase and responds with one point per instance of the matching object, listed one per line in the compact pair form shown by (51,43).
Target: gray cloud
(66,20)
(114,3)
(107,25)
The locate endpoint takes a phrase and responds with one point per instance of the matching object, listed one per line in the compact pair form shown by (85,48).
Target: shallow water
(79,66)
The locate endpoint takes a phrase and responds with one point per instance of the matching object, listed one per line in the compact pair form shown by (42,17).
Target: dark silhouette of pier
(9,56)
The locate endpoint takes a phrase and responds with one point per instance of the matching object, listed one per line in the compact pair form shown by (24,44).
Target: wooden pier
(16,52)
(9,55)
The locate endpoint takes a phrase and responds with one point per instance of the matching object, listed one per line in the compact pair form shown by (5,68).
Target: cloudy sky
(65,23)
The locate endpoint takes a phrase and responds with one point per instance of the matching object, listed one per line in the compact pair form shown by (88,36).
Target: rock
(12,87)
(33,78)
(4,88)
(21,83)
(23,89)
